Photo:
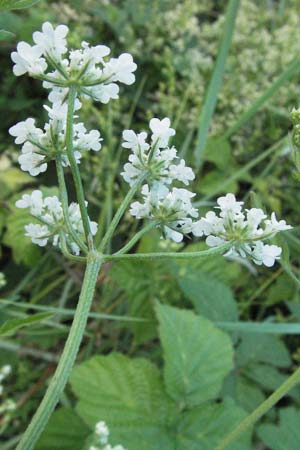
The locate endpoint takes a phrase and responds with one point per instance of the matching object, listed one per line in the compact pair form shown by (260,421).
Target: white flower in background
(172,209)
(51,41)
(50,59)
(48,212)
(39,147)
(158,159)
(102,431)
(28,59)
(248,229)
(101,436)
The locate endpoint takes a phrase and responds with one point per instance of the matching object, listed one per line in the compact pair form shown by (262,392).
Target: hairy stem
(63,194)
(292,381)
(66,362)
(74,167)
(169,255)
(122,208)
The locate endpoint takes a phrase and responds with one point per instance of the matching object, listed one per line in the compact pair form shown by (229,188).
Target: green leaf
(210,297)
(197,355)
(65,430)
(267,349)
(219,152)
(286,435)
(16,4)
(6,35)
(129,395)
(23,249)
(11,326)
(203,428)
(216,81)
(260,327)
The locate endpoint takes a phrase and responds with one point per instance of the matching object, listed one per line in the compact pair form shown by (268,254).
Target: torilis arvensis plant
(154,173)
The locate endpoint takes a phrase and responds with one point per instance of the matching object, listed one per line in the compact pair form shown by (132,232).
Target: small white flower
(181,172)
(102,431)
(39,234)
(32,162)
(161,131)
(228,204)
(103,92)
(51,41)
(25,130)
(34,201)
(120,69)
(28,59)
(266,254)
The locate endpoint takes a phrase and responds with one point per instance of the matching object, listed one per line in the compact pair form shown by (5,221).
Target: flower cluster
(247,230)
(157,158)
(41,146)
(87,68)
(101,436)
(51,223)
(171,207)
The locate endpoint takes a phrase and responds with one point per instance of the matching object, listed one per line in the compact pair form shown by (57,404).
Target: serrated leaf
(210,297)
(11,326)
(16,4)
(267,349)
(286,435)
(203,428)
(129,395)
(65,430)
(6,35)
(197,355)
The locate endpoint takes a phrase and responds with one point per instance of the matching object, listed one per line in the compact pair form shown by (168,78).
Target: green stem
(65,204)
(136,238)
(292,381)
(68,356)
(74,166)
(170,255)
(122,208)
(65,251)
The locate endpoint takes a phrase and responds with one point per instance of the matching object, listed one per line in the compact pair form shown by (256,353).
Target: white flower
(49,212)
(229,204)
(102,432)
(39,234)
(157,159)
(273,226)
(32,162)
(172,209)
(120,69)
(33,201)
(161,131)
(51,41)
(265,254)
(25,130)
(181,172)
(136,142)
(247,230)
(103,92)
(28,59)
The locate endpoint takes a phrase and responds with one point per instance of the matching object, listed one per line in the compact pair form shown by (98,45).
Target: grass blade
(265,327)
(216,81)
